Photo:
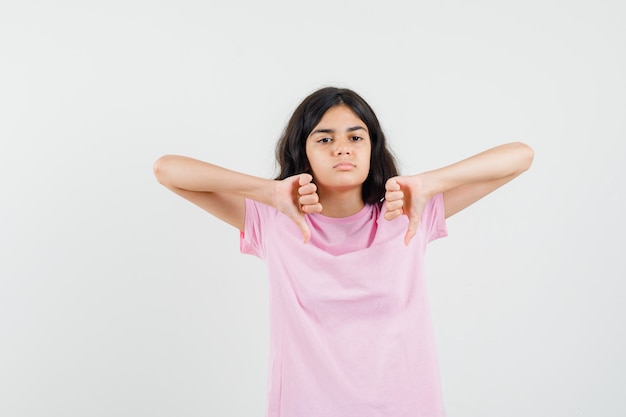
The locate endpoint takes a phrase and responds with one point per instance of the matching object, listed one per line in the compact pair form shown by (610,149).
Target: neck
(341,204)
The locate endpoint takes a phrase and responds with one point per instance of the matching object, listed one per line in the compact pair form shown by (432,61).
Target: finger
(394,195)
(306,234)
(305,179)
(414,222)
(394,205)
(392,185)
(309,188)
(414,218)
(308,199)
(390,215)
(312,208)
(304,228)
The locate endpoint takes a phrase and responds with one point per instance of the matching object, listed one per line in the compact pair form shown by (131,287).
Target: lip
(344,166)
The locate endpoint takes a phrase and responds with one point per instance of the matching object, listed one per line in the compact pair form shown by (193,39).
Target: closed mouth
(345,164)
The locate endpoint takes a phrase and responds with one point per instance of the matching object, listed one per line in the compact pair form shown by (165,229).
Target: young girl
(344,237)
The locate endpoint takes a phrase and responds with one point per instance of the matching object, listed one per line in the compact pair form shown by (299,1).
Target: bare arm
(222,192)
(462,183)
(469,180)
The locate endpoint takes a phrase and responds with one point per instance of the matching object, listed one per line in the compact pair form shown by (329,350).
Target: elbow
(160,168)
(529,155)
(526,155)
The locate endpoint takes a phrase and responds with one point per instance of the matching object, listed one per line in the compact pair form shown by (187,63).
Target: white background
(118,298)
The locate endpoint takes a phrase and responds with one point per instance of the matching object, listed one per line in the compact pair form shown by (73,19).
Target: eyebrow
(350,129)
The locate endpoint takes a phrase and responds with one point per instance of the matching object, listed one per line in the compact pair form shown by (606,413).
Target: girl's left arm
(467,181)
(462,183)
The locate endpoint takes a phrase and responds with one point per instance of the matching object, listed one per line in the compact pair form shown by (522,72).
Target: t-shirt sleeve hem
(247,244)
(440,227)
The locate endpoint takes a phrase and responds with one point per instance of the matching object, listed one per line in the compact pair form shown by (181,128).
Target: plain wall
(118,298)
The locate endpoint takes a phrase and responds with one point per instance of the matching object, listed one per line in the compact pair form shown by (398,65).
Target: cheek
(368,158)
(367,173)
(315,157)
(313,164)
(309,158)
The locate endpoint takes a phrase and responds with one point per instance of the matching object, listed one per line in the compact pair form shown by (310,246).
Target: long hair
(291,147)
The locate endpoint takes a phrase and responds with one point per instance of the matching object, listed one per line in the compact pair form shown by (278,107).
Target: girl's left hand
(406,195)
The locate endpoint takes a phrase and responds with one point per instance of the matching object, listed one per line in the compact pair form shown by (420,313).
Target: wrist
(268,192)
(428,183)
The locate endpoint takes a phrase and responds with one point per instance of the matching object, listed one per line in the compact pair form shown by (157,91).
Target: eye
(324,140)
(356,138)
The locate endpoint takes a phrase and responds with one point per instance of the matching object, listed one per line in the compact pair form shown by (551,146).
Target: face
(339,150)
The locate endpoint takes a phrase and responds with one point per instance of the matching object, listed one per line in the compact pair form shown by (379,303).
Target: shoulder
(256,209)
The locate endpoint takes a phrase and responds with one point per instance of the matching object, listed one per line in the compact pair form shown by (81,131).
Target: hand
(406,195)
(296,196)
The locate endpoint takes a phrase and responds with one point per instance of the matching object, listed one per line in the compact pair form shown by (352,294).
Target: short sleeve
(251,239)
(433,219)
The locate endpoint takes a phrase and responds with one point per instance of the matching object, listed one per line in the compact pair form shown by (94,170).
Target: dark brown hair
(291,148)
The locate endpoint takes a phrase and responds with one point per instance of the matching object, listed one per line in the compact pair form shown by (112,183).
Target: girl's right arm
(222,192)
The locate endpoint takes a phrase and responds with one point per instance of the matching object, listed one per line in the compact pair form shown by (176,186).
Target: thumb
(304,228)
(414,221)
(418,202)
(290,206)
(303,179)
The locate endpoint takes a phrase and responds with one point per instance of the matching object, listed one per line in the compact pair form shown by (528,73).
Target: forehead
(340,115)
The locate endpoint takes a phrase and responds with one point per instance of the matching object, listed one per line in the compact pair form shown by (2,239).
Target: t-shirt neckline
(365,210)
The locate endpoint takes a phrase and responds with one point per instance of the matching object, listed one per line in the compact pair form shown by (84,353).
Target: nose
(342,148)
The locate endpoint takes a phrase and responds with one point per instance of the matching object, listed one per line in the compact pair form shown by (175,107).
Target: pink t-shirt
(350,327)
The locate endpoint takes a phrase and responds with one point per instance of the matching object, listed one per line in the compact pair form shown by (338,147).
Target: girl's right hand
(296,196)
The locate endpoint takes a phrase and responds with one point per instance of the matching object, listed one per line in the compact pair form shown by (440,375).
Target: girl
(343,237)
